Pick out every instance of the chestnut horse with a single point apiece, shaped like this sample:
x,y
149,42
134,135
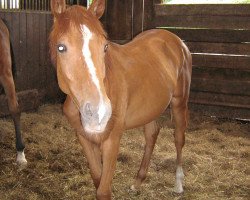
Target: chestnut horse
x,y
111,88
6,80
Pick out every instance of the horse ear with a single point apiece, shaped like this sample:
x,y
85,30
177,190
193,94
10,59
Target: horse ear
x,y
57,6
97,8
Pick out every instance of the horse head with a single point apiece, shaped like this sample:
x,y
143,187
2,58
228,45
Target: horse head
x,y
78,45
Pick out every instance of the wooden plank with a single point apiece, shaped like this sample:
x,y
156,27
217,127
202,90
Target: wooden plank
x,y
137,26
220,86
219,48
214,22
36,71
22,82
148,14
33,50
1,14
49,23
119,19
203,9
211,35
30,54
28,100
221,74
220,111
209,98
49,66
43,48
219,61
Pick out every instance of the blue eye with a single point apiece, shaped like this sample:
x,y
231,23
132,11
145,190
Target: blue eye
x,y
61,48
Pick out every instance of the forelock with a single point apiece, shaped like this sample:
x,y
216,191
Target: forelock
x,y
74,16
78,15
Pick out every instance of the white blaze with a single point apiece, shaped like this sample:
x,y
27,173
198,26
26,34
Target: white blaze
x,y
87,35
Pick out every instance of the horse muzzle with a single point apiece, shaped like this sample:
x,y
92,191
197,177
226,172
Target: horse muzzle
x,y
95,118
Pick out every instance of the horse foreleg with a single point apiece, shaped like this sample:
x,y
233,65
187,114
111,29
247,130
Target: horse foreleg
x,y
179,111
151,131
91,151
110,149
9,89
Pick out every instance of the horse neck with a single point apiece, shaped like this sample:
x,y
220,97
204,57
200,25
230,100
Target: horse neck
x,y
116,57
115,71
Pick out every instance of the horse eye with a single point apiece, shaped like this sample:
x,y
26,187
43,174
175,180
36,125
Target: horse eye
x,y
106,47
61,48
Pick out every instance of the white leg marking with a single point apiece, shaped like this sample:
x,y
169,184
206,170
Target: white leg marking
x,y
87,35
179,180
133,188
21,160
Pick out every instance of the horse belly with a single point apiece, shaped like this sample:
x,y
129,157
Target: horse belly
x,y
144,109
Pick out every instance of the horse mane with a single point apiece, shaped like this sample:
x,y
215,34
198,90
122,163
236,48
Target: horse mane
x,y
74,16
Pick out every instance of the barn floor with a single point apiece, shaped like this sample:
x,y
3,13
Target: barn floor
x,y
216,161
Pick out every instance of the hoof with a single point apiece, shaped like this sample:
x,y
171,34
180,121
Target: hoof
x,y
136,186
178,189
21,160
133,188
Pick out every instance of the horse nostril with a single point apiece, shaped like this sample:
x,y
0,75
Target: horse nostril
x,y
88,110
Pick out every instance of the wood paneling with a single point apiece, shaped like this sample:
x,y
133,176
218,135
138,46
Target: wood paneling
x,y
216,73
219,48
218,37
220,110
203,16
211,35
214,22
119,19
221,86
127,18
212,98
203,10
29,32
225,61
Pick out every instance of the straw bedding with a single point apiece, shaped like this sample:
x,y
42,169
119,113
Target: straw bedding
x,y
216,161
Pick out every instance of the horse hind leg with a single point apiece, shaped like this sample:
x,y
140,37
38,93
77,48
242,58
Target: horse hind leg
x,y
179,111
151,131
9,89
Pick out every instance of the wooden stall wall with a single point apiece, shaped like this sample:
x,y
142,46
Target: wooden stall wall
x,y
29,33
219,38
127,18
217,35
